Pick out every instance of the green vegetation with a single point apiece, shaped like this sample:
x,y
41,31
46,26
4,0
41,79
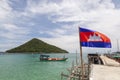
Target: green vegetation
x,y
36,45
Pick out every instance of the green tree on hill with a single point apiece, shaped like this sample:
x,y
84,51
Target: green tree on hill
x,y
36,45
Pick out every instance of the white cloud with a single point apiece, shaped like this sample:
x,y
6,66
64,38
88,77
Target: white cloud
x,y
7,15
40,7
99,15
5,10
67,42
9,28
56,32
70,10
11,31
7,45
8,19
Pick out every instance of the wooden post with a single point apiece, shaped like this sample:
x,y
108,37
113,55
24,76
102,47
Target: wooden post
x,y
118,45
81,58
88,67
76,59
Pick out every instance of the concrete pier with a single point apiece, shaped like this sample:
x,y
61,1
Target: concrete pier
x,y
109,71
101,72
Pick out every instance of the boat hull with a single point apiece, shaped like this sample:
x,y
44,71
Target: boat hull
x,y
54,59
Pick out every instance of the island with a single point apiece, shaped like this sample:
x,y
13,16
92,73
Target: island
x,y
36,46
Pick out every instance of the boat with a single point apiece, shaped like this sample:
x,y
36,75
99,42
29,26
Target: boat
x,y
47,58
117,58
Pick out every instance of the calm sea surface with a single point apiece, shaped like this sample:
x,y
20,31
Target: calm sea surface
x,y
29,67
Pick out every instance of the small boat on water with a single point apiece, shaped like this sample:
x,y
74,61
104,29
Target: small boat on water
x,y
116,56
47,58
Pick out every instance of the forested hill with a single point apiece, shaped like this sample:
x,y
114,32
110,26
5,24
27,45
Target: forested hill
x,y
36,45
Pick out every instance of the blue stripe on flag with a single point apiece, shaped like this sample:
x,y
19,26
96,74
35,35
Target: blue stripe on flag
x,y
96,44
85,30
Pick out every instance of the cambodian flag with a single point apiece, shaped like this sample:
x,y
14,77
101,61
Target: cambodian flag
x,y
90,38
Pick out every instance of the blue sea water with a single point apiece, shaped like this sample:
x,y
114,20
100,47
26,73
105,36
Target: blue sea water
x,y
29,67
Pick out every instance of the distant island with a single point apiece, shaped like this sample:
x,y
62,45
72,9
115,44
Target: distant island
x,y
36,46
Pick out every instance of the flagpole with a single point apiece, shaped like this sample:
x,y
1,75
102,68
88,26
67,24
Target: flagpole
x,y
81,58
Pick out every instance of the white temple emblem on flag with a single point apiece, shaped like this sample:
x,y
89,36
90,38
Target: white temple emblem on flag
x,y
94,38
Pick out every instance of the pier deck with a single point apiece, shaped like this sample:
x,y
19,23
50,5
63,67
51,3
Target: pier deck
x,y
110,70
102,72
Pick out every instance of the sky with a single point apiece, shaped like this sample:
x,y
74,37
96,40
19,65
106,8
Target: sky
x,y
56,22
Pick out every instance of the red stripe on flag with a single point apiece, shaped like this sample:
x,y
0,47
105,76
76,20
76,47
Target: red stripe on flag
x,y
85,36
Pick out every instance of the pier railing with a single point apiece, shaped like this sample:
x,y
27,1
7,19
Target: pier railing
x,y
76,74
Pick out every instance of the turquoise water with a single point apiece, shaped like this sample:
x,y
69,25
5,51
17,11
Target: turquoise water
x,y
29,67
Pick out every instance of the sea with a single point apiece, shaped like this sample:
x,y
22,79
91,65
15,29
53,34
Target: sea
x,y
28,66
